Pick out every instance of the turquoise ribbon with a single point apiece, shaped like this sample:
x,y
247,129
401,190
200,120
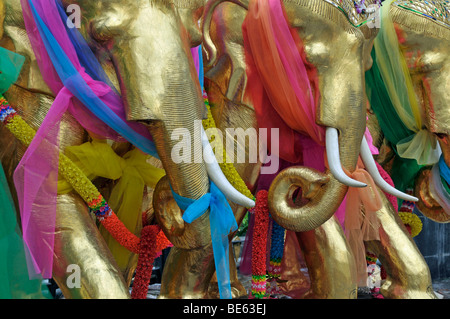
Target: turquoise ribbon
x,y
444,170
222,222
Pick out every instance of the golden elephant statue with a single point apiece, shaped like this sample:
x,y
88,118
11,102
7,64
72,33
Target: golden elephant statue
x,y
124,49
422,48
337,42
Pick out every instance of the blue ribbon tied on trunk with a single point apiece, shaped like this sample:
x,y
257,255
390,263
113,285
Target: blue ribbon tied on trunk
x,y
222,223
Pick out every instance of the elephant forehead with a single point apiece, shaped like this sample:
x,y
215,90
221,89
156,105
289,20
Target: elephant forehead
x,y
439,11
334,16
348,8
423,32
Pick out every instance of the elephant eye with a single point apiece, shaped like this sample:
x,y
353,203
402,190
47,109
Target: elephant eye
x,y
440,136
100,32
108,26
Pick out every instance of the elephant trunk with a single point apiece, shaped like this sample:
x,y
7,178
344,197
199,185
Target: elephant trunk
x,y
342,112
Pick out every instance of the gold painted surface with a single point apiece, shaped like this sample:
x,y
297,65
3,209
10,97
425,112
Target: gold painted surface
x,y
425,43
331,265
408,275
428,204
292,281
78,242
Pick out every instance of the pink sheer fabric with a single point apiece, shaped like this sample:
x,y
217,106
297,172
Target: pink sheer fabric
x,y
196,58
37,173
281,84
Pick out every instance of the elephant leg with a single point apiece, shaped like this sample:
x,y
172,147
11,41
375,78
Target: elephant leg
x,y
330,262
237,288
408,275
184,277
293,283
83,266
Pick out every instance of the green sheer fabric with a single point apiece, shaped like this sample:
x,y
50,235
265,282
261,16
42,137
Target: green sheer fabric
x,y
14,280
10,65
404,170
421,145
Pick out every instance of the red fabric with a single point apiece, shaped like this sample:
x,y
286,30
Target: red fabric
x,y
281,84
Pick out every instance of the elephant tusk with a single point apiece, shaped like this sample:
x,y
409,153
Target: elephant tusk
x,y
217,176
334,161
371,167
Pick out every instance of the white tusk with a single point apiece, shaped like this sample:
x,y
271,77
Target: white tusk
x,y
334,161
217,176
371,167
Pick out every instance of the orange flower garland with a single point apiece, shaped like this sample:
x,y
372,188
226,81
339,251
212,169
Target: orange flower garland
x,y
120,233
145,262
259,246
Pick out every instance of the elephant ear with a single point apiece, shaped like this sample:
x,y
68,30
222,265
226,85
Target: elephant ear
x,y
167,212
210,49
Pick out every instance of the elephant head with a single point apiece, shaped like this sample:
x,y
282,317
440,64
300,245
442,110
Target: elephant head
x,y
153,70
159,86
337,42
424,42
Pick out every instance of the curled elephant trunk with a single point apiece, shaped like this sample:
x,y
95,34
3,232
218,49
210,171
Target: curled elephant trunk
x,y
342,112
322,194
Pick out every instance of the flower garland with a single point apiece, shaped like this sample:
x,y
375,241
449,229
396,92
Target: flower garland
x,y
411,221
276,255
153,241
95,201
371,258
228,168
276,250
259,244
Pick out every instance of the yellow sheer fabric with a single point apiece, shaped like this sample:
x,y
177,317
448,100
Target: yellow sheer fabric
x,y
132,174
423,147
395,73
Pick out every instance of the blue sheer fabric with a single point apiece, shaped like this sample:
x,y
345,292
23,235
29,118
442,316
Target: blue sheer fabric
x,y
85,55
444,170
201,76
222,222
77,85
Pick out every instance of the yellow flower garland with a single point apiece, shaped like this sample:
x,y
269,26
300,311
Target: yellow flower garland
x,y
413,221
83,186
228,168
67,168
